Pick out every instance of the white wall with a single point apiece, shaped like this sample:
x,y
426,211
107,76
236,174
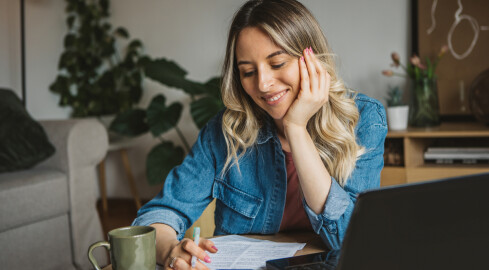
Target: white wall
x,y
10,61
193,33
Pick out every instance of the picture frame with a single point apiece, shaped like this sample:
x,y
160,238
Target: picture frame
x,y
462,25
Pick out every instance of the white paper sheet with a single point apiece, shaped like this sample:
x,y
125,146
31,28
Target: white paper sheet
x,y
239,252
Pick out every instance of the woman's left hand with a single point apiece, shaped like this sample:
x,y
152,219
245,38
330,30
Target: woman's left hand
x,y
313,93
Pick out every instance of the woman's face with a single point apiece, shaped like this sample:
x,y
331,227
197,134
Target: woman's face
x,y
268,74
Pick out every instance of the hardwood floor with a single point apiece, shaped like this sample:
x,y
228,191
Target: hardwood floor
x,y
121,213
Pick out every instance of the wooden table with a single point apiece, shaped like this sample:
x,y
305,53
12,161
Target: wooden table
x,y
313,242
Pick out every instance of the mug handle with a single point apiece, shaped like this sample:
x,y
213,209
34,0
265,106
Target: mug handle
x,y
92,247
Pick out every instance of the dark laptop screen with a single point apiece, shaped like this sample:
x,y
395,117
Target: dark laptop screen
x,y
432,225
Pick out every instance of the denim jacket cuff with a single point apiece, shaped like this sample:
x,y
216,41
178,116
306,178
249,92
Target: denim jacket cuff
x,y
336,205
170,218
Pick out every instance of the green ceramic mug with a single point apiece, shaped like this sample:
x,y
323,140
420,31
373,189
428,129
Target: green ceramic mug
x,y
130,248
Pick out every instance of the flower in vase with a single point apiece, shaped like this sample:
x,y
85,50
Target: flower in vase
x,y
415,68
396,59
424,98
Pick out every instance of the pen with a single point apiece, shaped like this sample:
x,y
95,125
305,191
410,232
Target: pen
x,y
196,241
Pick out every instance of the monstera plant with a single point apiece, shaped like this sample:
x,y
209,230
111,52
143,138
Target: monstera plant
x,y
94,77
160,117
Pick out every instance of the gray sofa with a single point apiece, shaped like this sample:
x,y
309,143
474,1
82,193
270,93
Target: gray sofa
x,y
48,215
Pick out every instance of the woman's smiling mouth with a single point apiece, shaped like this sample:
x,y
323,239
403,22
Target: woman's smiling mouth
x,y
274,99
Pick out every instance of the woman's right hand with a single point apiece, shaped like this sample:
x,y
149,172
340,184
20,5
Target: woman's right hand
x,y
169,249
180,255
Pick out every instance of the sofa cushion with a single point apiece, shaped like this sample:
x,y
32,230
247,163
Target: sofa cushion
x,y
32,195
23,142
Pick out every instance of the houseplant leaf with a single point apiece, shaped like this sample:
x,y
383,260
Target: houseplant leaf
x,y
213,87
99,80
206,107
203,109
172,75
161,159
122,32
162,118
130,123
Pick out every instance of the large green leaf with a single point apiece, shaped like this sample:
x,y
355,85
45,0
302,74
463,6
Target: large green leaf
x,y
161,159
213,87
208,105
130,123
171,74
204,109
162,118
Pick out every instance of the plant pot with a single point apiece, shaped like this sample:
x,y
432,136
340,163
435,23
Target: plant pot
x,y
397,117
424,108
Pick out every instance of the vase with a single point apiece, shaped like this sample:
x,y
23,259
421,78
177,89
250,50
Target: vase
x,y
424,110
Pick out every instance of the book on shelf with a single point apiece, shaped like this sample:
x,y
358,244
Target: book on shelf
x,y
458,150
465,155
457,161
484,156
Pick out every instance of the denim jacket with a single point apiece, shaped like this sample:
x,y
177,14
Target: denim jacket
x,y
251,200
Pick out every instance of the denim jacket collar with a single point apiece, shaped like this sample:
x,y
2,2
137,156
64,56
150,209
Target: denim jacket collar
x,y
267,132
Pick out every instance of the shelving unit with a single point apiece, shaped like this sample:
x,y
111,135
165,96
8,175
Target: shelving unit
x,y
413,143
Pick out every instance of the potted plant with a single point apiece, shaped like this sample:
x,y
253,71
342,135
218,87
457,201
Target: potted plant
x,y
424,107
158,118
95,79
397,110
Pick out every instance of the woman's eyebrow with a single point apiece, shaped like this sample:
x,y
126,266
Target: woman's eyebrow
x,y
276,53
268,57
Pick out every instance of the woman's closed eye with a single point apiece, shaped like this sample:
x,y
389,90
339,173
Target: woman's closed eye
x,y
250,73
278,66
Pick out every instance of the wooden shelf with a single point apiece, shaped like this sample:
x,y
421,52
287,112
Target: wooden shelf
x,y
455,130
415,141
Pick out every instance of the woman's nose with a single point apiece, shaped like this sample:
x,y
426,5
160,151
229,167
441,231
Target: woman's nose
x,y
265,80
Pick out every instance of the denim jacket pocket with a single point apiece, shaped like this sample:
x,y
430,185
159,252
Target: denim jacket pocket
x,y
235,209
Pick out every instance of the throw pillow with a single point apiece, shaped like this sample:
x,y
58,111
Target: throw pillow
x,y
23,141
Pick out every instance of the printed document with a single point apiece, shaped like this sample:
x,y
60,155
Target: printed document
x,y
239,252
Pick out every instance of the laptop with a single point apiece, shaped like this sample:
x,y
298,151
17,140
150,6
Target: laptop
x,y
442,224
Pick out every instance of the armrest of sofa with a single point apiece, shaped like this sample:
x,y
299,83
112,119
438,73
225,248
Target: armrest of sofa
x,y
80,145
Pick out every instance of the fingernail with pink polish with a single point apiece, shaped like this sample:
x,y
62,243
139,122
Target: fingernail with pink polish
x,y
302,58
214,247
207,259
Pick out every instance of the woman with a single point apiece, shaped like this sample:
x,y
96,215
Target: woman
x,y
290,151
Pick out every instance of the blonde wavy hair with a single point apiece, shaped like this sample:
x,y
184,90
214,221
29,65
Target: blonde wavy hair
x,y
292,27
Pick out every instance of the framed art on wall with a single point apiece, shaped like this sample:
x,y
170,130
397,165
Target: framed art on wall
x,y
462,25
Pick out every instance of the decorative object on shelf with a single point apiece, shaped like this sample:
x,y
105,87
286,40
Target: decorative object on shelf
x,y
393,153
158,117
94,77
424,103
424,107
479,97
451,155
397,110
